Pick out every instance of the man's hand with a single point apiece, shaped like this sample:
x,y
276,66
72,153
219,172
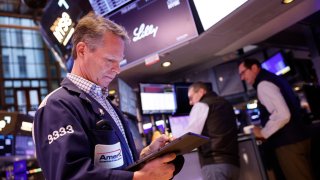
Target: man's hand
x,y
155,145
157,169
257,133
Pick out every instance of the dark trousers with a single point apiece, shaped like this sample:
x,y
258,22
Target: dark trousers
x,y
294,160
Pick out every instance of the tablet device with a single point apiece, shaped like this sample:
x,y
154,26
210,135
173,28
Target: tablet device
x,y
184,144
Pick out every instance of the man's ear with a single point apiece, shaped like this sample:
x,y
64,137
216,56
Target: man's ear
x,y
203,92
255,68
80,49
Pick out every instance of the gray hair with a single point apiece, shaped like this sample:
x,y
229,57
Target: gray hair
x,y
91,29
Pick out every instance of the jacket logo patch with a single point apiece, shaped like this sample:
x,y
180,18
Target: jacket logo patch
x,y
108,156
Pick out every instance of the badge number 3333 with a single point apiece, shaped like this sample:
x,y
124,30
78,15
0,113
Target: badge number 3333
x,y
61,132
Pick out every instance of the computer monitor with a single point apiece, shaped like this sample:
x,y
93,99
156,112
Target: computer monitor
x,y
127,97
182,100
276,64
24,145
183,106
6,145
157,98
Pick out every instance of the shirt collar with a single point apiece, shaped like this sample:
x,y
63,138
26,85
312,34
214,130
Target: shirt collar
x,y
87,86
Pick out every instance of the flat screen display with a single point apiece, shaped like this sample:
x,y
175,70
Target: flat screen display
x,y
178,125
157,98
104,7
183,106
153,26
20,166
6,145
24,146
128,98
182,100
276,64
211,12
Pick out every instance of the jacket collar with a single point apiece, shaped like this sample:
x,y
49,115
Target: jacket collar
x,y
209,94
70,86
259,77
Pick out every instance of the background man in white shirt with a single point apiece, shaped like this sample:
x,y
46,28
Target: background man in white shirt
x,y
281,120
213,116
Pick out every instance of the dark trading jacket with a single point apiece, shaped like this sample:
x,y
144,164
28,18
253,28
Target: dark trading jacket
x,y
221,127
70,155
294,130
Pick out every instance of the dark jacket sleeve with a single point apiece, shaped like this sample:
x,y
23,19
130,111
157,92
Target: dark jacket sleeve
x,y
62,146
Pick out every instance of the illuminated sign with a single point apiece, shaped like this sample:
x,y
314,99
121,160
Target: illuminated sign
x,y
144,31
63,3
58,23
63,28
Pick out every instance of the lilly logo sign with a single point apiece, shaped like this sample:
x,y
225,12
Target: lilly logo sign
x,y
144,31
108,156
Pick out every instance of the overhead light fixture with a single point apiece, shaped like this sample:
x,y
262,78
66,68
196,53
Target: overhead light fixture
x,y
166,64
112,92
287,1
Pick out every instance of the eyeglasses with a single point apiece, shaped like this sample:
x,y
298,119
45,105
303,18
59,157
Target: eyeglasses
x,y
242,72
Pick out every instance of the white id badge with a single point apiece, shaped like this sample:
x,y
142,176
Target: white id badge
x,y
108,156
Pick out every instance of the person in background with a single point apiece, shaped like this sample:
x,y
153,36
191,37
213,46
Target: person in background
x,y
213,116
78,133
281,121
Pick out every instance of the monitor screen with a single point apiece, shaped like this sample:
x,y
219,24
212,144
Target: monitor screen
x,y
183,106
20,166
276,64
103,7
159,125
6,145
128,98
254,116
211,12
157,98
182,100
24,146
178,125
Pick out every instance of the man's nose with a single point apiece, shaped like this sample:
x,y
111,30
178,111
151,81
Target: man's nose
x,y
116,68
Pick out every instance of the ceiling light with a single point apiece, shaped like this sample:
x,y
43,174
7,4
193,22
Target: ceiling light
x,y
287,1
166,64
112,92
